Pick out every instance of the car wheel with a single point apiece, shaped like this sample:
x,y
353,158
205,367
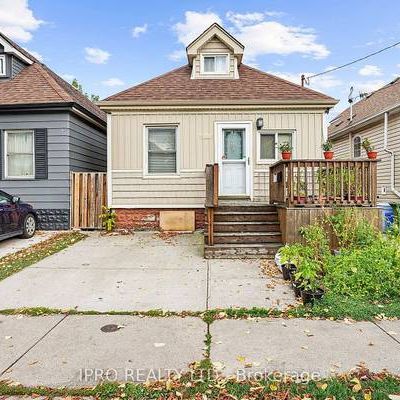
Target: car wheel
x,y
29,226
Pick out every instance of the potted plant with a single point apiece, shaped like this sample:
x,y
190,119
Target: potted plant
x,y
286,150
289,256
327,148
371,153
309,274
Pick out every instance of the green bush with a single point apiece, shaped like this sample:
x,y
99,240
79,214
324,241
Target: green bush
x,y
371,272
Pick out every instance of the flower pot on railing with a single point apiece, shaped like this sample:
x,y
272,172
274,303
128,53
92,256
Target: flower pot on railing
x,y
286,155
372,155
328,155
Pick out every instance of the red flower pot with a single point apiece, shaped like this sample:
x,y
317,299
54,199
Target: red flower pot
x,y
328,155
286,155
372,155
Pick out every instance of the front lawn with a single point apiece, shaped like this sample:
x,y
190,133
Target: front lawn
x,y
15,262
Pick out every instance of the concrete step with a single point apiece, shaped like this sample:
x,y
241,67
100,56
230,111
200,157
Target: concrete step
x,y
233,251
241,226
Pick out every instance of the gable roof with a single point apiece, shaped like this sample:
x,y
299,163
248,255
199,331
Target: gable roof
x,y
37,84
375,104
214,30
251,86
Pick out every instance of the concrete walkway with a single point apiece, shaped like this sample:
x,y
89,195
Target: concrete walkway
x,y
12,245
78,351
141,272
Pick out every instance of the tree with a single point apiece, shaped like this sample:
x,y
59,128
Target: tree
x,y
78,86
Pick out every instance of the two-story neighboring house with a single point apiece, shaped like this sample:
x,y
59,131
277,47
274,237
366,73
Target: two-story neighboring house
x,y
47,129
375,117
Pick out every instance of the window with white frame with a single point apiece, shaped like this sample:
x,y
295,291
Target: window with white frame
x,y
269,141
215,63
19,154
2,65
161,150
357,147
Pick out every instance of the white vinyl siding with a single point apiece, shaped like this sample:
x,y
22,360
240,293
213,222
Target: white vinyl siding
x,y
133,187
2,65
161,150
19,154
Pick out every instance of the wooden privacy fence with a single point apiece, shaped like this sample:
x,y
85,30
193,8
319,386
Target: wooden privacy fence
x,y
88,196
307,183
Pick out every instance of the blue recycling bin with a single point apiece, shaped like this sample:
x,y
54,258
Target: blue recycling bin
x,y
387,215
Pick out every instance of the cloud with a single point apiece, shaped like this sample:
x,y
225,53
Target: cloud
x,y
35,54
139,30
259,35
68,77
195,23
370,70
271,37
111,82
177,55
320,83
17,20
368,86
96,56
244,19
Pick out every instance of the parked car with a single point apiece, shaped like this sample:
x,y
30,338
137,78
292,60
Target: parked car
x,y
16,217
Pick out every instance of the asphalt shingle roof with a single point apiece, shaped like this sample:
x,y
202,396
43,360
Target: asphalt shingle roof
x,y
252,85
37,84
378,101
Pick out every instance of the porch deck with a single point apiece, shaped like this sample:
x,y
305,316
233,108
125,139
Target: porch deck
x,y
301,191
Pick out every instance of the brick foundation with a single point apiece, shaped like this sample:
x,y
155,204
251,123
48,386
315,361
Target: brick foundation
x,y
149,218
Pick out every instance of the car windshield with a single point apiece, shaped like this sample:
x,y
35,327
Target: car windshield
x,y
4,199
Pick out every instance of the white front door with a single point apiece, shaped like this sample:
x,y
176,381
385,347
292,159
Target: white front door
x,y
234,159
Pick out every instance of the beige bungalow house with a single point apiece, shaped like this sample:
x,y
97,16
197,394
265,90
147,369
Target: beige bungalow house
x,y
376,117
213,111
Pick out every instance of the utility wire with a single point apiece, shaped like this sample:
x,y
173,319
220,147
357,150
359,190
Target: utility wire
x,y
352,62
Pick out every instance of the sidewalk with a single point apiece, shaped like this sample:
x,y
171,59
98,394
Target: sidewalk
x,y
74,351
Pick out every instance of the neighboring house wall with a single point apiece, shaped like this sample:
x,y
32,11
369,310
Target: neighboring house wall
x,y
196,147
343,148
72,145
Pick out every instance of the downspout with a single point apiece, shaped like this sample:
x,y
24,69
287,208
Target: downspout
x,y
391,153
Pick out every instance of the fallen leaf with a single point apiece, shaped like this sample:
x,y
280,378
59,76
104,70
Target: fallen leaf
x,y
7,337
241,359
159,344
392,333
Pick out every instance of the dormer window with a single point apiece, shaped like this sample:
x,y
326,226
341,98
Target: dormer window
x,y
2,65
214,64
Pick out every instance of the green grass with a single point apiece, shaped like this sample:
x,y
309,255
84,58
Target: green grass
x,y
15,262
362,385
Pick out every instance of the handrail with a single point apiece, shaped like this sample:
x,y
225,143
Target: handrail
x,y
316,182
211,202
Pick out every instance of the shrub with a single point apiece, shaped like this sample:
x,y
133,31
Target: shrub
x,y
371,272
351,230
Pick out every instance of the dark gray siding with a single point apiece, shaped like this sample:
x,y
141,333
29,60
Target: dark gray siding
x,y
54,192
73,145
88,147
16,66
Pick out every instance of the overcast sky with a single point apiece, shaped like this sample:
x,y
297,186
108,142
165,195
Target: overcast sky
x,y
111,45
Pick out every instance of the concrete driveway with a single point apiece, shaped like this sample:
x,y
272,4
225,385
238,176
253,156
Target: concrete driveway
x,y
141,272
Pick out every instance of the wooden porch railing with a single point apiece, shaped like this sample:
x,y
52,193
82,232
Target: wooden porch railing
x,y
211,199
307,183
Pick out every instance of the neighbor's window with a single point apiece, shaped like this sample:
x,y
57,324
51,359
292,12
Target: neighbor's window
x,y
215,64
19,154
269,143
2,65
161,152
357,147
